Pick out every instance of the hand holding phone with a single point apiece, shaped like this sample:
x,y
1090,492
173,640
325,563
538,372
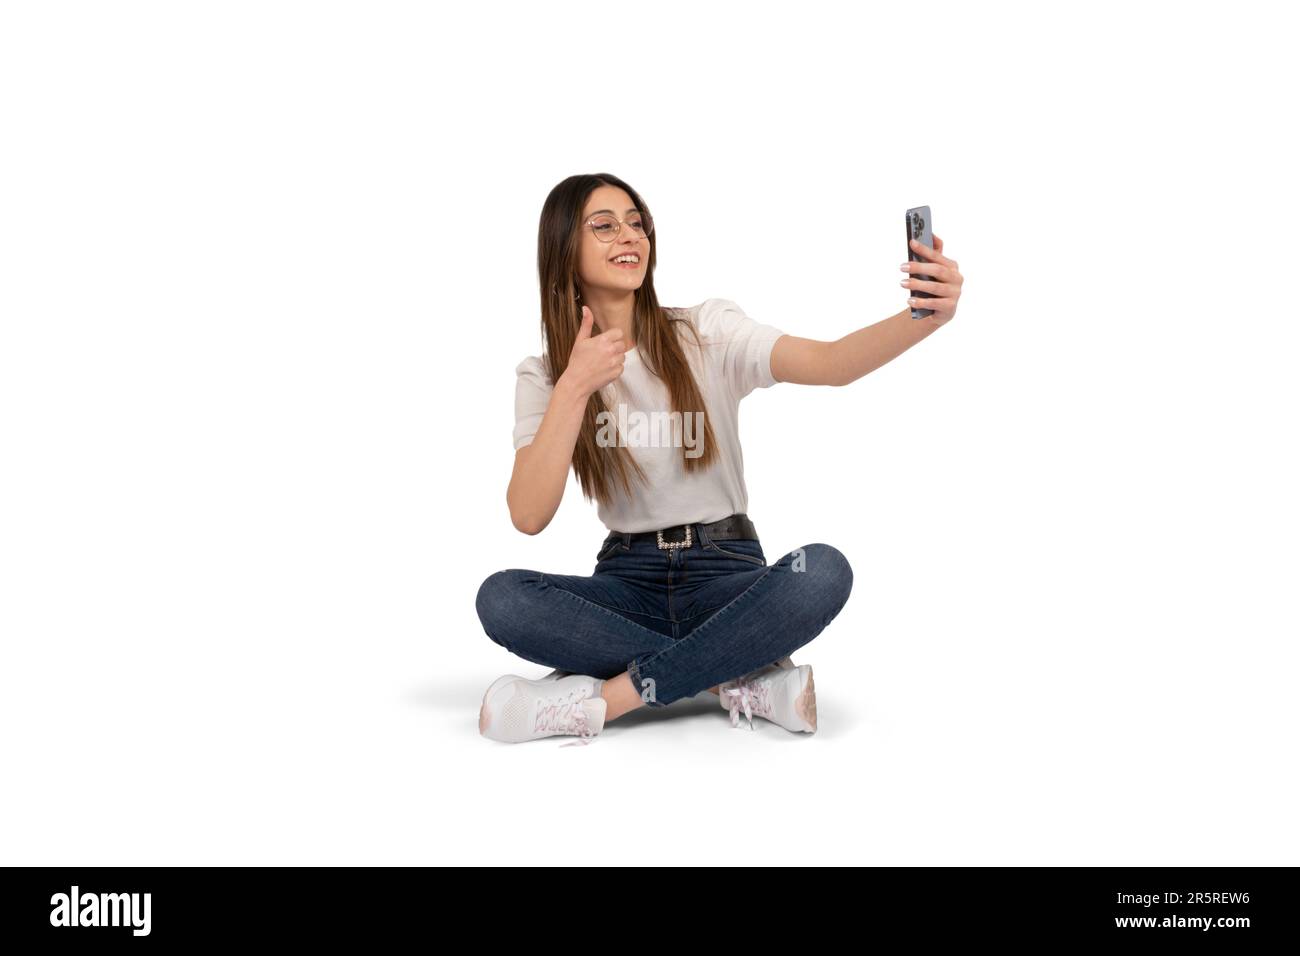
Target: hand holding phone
x,y
918,228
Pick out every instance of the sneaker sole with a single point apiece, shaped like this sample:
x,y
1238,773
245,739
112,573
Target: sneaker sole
x,y
805,705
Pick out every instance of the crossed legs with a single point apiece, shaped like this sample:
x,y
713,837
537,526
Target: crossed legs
x,y
573,623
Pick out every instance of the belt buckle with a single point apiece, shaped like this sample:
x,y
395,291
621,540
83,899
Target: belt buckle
x,y
670,545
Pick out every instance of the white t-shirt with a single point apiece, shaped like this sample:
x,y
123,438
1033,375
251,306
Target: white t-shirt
x,y
736,359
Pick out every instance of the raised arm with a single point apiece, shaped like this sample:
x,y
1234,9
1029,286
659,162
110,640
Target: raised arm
x,y
542,467
847,359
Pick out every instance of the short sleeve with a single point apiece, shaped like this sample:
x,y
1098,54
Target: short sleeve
x,y
532,397
743,346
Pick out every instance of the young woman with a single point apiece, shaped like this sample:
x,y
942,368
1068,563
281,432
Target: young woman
x,y
641,401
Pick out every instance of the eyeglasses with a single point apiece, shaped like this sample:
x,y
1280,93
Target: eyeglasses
x,y
606,228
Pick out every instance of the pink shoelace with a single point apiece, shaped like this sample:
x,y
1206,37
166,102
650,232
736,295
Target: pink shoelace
x,y
752,697
566,715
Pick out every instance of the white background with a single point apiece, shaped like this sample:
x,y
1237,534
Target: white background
x,y
265,273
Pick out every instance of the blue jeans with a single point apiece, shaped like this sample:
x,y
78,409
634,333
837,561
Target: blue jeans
x,y
678,621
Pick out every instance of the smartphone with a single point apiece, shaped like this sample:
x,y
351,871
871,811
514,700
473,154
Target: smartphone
x,y
918,228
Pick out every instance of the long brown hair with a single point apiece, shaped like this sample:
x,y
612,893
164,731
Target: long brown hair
x,y
653,327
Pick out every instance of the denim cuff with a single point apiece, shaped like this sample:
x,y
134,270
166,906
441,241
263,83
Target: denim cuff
x,y
646,691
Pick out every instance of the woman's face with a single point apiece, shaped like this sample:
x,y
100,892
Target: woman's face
x,y
597,269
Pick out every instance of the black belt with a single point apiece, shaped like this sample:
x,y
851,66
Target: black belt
x,y
731,528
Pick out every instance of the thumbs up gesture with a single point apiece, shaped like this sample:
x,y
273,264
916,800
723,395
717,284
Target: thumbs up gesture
x,y
595,360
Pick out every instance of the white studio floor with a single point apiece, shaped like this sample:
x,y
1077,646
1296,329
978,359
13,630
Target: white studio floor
x,y
339,761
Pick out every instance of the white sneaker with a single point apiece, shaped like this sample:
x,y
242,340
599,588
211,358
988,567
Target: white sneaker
x,y
783,694
516,709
